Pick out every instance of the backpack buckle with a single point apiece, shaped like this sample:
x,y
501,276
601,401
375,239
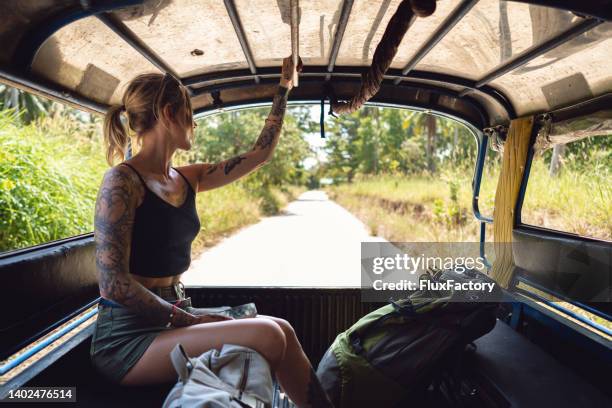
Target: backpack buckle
x,y
406,309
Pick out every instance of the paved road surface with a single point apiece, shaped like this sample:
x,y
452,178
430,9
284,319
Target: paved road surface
x,y
315,242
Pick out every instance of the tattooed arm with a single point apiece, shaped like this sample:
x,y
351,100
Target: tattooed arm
x,y
113,221
213,175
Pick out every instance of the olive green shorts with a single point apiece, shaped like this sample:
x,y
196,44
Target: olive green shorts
x,y
120,338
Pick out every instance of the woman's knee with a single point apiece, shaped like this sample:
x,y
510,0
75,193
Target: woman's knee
x,y
285,327
272,341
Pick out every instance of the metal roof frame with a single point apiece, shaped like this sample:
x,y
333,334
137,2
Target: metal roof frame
x,y
319,80
135,42
235,19
211,82
34,39
345,13
601,9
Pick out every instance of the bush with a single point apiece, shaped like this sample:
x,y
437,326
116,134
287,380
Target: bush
x,y
47,190
51,170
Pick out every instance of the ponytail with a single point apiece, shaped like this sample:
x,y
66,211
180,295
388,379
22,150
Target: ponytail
x,y
143,102
115,134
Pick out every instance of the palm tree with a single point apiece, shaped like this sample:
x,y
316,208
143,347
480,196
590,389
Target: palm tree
x,y
426,123
30,106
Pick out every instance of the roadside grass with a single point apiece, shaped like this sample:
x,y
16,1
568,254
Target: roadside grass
x,y
438,208
579,202
50,173
411,208
226,209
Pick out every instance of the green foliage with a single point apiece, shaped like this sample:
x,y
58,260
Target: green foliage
x,y
222,136
48,174
438,207
579,200
30,107
51,168
223,210
393,141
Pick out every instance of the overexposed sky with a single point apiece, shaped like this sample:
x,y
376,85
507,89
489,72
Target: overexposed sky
x,y
314,139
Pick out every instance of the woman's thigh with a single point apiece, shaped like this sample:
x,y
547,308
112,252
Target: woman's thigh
x,y
263,335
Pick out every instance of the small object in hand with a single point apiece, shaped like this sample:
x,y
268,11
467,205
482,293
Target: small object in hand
x,y
237,312
243,311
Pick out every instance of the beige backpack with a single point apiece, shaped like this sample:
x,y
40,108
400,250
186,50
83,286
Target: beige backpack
x,y
234,376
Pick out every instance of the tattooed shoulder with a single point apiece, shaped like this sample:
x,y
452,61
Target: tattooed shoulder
x,y
113,220
124,178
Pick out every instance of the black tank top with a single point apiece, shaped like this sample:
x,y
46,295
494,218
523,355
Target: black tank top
x,y
162,234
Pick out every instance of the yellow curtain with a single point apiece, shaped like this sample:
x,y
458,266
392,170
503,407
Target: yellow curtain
x,y
508,185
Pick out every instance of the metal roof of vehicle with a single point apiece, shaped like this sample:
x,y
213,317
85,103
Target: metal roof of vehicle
x,y
483,61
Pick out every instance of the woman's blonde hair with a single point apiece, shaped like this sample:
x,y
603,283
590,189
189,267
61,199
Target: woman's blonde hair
x,y
143,102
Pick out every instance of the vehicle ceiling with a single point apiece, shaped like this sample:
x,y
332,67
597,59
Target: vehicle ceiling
x,y
484,61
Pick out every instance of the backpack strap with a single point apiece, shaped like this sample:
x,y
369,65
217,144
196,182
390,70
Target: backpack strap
x,y
181,362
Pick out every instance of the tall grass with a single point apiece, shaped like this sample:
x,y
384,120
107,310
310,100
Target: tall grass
x,y
438,208
576,201
411,208
49,171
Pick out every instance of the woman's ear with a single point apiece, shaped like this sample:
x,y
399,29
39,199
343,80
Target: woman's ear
x,y
167,115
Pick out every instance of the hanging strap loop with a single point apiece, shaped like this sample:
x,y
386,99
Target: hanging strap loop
x,y
385,52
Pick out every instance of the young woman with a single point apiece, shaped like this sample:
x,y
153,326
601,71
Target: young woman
x,y
145,221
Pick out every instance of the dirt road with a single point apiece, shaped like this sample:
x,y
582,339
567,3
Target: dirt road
x,y
315,242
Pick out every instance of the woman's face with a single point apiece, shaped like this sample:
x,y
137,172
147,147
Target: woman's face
x,y
181,132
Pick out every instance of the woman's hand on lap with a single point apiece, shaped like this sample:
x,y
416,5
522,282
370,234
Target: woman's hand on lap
x,y
211,318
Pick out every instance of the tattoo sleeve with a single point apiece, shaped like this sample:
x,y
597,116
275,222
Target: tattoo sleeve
x,y
271,131
258,155
113,222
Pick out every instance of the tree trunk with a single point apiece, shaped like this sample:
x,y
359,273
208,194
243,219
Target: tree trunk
x,y
455,142
431,142
555,161
376,140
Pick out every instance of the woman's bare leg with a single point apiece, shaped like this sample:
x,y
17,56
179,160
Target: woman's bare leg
x,y
295,373
155,366
267,335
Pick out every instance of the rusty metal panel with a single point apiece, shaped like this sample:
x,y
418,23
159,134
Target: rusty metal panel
x,y
364,30
192,36
420,31
571,73
491,33
268,30
72,58
18,17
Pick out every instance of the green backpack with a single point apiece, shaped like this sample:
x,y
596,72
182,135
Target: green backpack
x,y
398,350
